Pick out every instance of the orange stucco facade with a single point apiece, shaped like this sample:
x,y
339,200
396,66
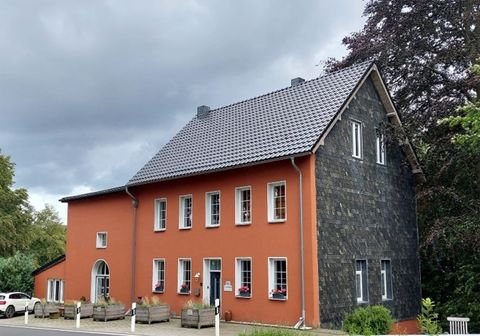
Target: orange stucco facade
x,y
56,271
259,241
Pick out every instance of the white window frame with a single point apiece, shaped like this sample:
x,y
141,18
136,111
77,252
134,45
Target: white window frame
x,y
183,219
182,272
101,242
239,280
361,280
271,201
242,214
51,295
386,278
357,139
160,215
208,209
273,284
158,276
380,147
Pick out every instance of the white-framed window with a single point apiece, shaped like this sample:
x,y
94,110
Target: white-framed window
x,y
212,209
380,147
186,207
160,214
386,274
243,205
357,139
184,275
361,280
158,285
243,277
277,278
55,290
277,202
101,240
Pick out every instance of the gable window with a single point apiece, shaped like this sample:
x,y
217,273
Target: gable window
x,y
212,213
243,277
185,219
356,139
361,284
101,239
55,290
277,278
380,147
243,206
386,273
158,275
184,276
160,214
277,202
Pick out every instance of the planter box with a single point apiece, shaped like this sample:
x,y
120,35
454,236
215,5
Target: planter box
x,y
86,310
244,294
44,310
202,317
153,313
110,312
278,296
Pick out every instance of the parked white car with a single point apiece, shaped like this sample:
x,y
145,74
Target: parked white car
x,y
15,302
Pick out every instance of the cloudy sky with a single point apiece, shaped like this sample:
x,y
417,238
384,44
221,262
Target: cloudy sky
x,y
90,90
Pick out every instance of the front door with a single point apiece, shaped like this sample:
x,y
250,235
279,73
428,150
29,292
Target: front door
x,y
214,286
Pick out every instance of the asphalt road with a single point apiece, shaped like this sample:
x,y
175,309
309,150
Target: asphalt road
x,y
22,331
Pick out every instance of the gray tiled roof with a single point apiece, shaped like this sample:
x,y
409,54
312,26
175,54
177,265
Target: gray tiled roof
x,y
282,123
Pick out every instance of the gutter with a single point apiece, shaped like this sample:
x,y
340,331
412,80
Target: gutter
x,y
301,322
134,242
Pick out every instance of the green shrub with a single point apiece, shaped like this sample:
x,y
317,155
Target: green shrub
x,y
371,320
428,319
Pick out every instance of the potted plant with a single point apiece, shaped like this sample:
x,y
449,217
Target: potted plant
x,y
70,309
279,293
159,286
184,288
152,310
108,309
44,309
197,314
244,291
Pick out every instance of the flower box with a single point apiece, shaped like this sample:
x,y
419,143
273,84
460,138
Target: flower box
x,y
198,317
70,312
149,314
278,296
244,294
109,312
44,309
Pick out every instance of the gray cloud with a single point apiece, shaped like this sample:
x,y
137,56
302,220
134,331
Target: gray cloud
x,y
89,90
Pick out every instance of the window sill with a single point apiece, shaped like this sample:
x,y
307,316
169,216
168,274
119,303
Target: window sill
x,y
276,221
357,158
387,299
184,228
158,292
180,293
243,296
159,230
212,226
243,224
362,302
381,164
101,247
277,299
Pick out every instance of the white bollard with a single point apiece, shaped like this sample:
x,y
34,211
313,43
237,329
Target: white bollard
x,y
26,312
217,317
134,313
78,311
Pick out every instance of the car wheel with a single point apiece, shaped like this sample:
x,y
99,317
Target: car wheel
x,y
9,312
36,307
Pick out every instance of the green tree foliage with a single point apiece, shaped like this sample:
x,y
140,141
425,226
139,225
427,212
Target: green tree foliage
x,y
15,211
16,273
425,50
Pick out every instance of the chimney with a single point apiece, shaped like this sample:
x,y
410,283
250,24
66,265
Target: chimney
x,y
203,111
297,81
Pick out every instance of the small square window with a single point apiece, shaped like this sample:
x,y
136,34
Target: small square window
x,y
160,214
185,219
277,278
386,274
243,205
243,277
277,202
158,275
101,239
357,139
361,284
380,147
184,276
212,213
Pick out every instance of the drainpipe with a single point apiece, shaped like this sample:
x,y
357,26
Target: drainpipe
x,y
301,322
134,242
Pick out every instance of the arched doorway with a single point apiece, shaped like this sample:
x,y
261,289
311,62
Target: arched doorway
x,y
100,281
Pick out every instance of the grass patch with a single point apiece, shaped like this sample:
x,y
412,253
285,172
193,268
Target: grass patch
x,y
272,332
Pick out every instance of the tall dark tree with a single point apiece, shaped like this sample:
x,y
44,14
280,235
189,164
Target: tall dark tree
x,y
425,50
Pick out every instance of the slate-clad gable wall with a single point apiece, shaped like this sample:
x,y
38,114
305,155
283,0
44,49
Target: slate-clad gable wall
x,y
364,211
